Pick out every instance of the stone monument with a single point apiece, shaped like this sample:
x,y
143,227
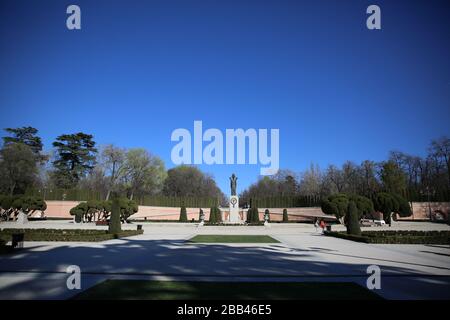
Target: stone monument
x,y
234,201
22,218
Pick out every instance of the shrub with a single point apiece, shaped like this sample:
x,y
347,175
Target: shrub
x,y
285,216
66,234
215,215
252,215
183,214
11,205
114,221
353,220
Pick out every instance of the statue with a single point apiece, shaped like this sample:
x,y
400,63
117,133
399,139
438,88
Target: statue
x,y
233,180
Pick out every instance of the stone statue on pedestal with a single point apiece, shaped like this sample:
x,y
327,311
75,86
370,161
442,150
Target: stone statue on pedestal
x,y
233,183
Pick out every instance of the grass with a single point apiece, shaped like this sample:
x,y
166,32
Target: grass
x,y
187,290
233,239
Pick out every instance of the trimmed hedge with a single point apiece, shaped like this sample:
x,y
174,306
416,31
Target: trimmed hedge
x,y
67,234
396,237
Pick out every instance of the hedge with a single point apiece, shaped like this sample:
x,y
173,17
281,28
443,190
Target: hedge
x,y
397,237
67,234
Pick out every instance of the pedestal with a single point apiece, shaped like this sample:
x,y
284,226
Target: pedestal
x,y
234,209
22,218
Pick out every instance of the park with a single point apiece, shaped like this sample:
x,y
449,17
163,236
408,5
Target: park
x,y
128,245
228,151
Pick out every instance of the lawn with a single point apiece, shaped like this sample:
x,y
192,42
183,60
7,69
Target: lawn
x,y
233,239
181,290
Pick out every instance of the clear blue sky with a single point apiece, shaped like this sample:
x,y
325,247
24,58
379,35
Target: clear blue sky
x,y
140,69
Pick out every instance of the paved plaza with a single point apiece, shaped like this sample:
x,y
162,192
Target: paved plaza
x,y
162,253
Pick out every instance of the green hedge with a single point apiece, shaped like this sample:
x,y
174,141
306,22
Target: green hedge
x,y
397,237
67,234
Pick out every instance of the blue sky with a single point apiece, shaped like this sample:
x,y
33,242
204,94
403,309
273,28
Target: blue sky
x,y
137,70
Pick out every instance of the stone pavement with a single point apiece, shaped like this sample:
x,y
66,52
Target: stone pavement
x,y
408,271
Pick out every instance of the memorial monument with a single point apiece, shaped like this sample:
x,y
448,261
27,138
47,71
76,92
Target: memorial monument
x,y
234,201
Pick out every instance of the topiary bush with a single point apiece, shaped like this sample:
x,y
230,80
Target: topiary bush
x,y
114,221
252,215
353,220
10,206
285,215
183,214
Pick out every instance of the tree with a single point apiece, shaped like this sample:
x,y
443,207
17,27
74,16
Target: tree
x,y
143,172
114,221
440,149
353,220
285,215
18,168
75,158
113,161
393,178
183,214
27,136
386,204
189,181
311,181
338,205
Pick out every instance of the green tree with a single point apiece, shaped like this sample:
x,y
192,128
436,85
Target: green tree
x,y
393,178
18,168
27,136
144,173
285,215
74,159
338,205
386,204
189,181
183,214
113,162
